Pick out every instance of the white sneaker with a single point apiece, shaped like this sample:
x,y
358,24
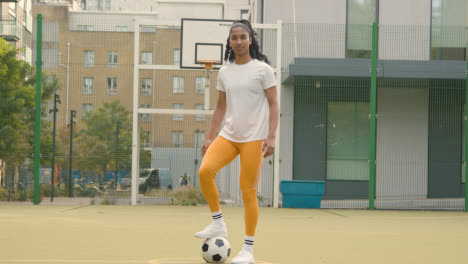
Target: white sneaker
x,y
244,257
213,230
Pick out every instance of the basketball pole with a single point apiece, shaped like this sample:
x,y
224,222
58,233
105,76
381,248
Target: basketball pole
x,y
276,157
135,131
208,67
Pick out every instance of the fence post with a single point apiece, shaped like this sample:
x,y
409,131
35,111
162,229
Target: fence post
x,y
37,139
466,138
373,109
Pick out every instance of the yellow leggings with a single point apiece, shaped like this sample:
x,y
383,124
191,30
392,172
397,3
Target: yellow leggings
x,y
219,154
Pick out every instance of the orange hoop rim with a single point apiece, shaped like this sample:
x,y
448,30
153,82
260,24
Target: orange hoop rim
x,y
208,63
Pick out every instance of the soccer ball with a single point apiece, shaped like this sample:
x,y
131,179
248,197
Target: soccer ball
x,y
216,250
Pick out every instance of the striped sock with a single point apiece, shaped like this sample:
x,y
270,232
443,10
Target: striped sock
x,y
248,243
217,217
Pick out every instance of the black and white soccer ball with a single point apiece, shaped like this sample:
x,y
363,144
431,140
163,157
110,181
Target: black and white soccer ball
x,y
216,250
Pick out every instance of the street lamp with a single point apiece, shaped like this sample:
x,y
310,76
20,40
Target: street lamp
x,y
197,132
55,110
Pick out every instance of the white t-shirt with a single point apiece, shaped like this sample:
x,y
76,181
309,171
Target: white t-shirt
x,y
247,113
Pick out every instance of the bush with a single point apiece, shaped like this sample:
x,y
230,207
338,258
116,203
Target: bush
x,y
188,196
59,190
108,200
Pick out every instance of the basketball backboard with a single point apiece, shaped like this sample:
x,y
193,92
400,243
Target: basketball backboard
x,y
203,40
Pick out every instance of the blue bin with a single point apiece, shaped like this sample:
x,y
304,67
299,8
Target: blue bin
x,y
302,194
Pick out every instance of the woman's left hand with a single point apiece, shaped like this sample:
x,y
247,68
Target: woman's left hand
x,y
268,147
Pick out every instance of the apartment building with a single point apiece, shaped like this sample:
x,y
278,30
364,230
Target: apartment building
x,y
230,9
16,26
91,52
421,76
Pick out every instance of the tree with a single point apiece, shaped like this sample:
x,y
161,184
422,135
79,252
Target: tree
x,y
98,139
17,107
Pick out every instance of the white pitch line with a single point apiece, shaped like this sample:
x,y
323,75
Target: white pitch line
x,y
154,261
72,261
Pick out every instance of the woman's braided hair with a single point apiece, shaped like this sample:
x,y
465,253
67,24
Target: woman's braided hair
x,y
254,49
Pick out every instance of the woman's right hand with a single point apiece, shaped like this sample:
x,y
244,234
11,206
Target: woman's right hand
x,y
205,146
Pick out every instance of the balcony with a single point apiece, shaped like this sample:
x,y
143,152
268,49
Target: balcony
x,y
12,1
28,22
10,30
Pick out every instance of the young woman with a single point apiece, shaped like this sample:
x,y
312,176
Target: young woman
x,y
247,102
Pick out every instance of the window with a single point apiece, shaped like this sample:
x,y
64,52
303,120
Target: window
x,y
121,28
100,4
108,5
145,117
146,141
361,15
177,139
147,57
244,14
88,59
348,136
200,85
199,117
178,84
86,27
198,138
148,29
176,56
112,86
87,108
112,59
448,40
88,85
178,117
146,87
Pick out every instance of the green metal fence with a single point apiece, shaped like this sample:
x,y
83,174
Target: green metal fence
x,y
376,112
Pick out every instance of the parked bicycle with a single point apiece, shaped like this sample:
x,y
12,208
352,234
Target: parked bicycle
x,y
82,189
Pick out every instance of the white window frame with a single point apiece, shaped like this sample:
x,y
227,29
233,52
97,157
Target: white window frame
x,y
121,28
112,85
200,85
88,58
112,59
178,117
148,29
244,12
178,84
107,5
146,87
145,117
177,139
146,57
176,56
88,85
85,27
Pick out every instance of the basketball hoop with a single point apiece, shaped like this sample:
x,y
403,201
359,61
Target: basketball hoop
x,y
208,63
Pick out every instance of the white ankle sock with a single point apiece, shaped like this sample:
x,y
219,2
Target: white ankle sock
x,y
217,217
248,243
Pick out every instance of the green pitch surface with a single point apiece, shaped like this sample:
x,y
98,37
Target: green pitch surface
x,y
164,234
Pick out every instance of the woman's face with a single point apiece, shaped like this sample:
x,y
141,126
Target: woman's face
x,y
240,41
